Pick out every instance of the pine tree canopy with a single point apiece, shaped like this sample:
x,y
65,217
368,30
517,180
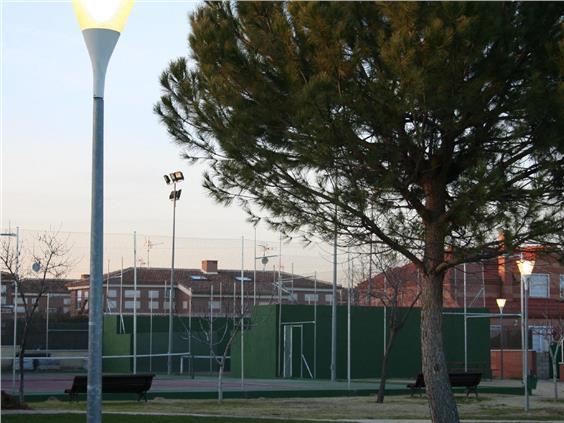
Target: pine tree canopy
x,y
381,119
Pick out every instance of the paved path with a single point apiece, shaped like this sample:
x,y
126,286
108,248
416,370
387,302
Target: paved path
x,y
55,412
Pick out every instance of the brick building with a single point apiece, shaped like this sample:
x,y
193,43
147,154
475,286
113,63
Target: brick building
x,y
482,283
486,281
205,290
56,294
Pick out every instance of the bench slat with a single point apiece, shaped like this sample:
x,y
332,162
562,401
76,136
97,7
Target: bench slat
x,y
119,383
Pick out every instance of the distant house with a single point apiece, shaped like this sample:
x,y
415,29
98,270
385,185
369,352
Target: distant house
x,y
197,291
481,283
56,294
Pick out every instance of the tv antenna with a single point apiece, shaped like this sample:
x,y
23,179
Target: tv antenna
x,y
149,245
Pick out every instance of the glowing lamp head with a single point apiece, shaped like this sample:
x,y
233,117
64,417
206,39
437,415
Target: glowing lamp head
x,y
525,266
102,14
500,303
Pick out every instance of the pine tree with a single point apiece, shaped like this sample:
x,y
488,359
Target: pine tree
x,y
428,126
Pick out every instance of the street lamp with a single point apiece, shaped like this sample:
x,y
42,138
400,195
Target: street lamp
x,y
525,269
501,303
101,22
172,178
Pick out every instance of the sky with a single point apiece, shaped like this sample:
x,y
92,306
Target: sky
x,y
46,112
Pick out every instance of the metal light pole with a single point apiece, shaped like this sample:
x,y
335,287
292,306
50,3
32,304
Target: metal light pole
x,y
334,314
349,320
134,302
501,303
526,348
101,24
243,312
47,326
255,272
525,269
465,323
174,196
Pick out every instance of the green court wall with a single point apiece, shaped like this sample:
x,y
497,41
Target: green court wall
x,y
262,344
152,338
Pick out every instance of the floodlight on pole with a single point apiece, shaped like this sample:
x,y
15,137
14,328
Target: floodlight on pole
x,y
101,22
525,269
174,196
501,303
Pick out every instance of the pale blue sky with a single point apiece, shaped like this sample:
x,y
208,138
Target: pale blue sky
x,y
46,128
46,144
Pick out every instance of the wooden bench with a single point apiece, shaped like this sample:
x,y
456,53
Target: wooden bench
x,y
115,384
470,381
418,385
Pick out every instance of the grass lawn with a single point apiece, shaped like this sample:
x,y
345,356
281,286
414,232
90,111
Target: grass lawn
x,y
490,406
121,418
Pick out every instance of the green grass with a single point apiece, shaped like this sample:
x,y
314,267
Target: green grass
x,y
121,418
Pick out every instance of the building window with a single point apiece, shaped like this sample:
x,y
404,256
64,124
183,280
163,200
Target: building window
x,y
214,305
311,298
185,304
539,286
130,293
66,301
329,298
153,305
154,294
561,286
112,292
112,304
129,304
3,289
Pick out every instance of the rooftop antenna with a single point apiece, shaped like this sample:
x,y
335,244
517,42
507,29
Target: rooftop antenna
x,y
149,245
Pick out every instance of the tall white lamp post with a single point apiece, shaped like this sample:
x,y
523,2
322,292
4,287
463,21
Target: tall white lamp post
x,y
101,22
525,269
501,303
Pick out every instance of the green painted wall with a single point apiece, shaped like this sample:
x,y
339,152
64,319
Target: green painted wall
x,y
367,332
260,345
115,343
156,330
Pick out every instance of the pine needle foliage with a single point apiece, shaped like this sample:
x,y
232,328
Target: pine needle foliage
x,y
426,126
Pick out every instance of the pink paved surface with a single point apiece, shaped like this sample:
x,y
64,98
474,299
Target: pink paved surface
x,y
57,383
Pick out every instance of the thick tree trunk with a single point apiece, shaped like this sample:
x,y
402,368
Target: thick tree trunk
x,y
220,382
384,371
441,400
554,362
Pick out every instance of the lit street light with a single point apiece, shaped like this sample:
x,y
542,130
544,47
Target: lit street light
x,y
525,269
174,196
501,303
101,22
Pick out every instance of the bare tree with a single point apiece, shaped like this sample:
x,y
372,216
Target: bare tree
x,y
51,258
399,292
223,336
